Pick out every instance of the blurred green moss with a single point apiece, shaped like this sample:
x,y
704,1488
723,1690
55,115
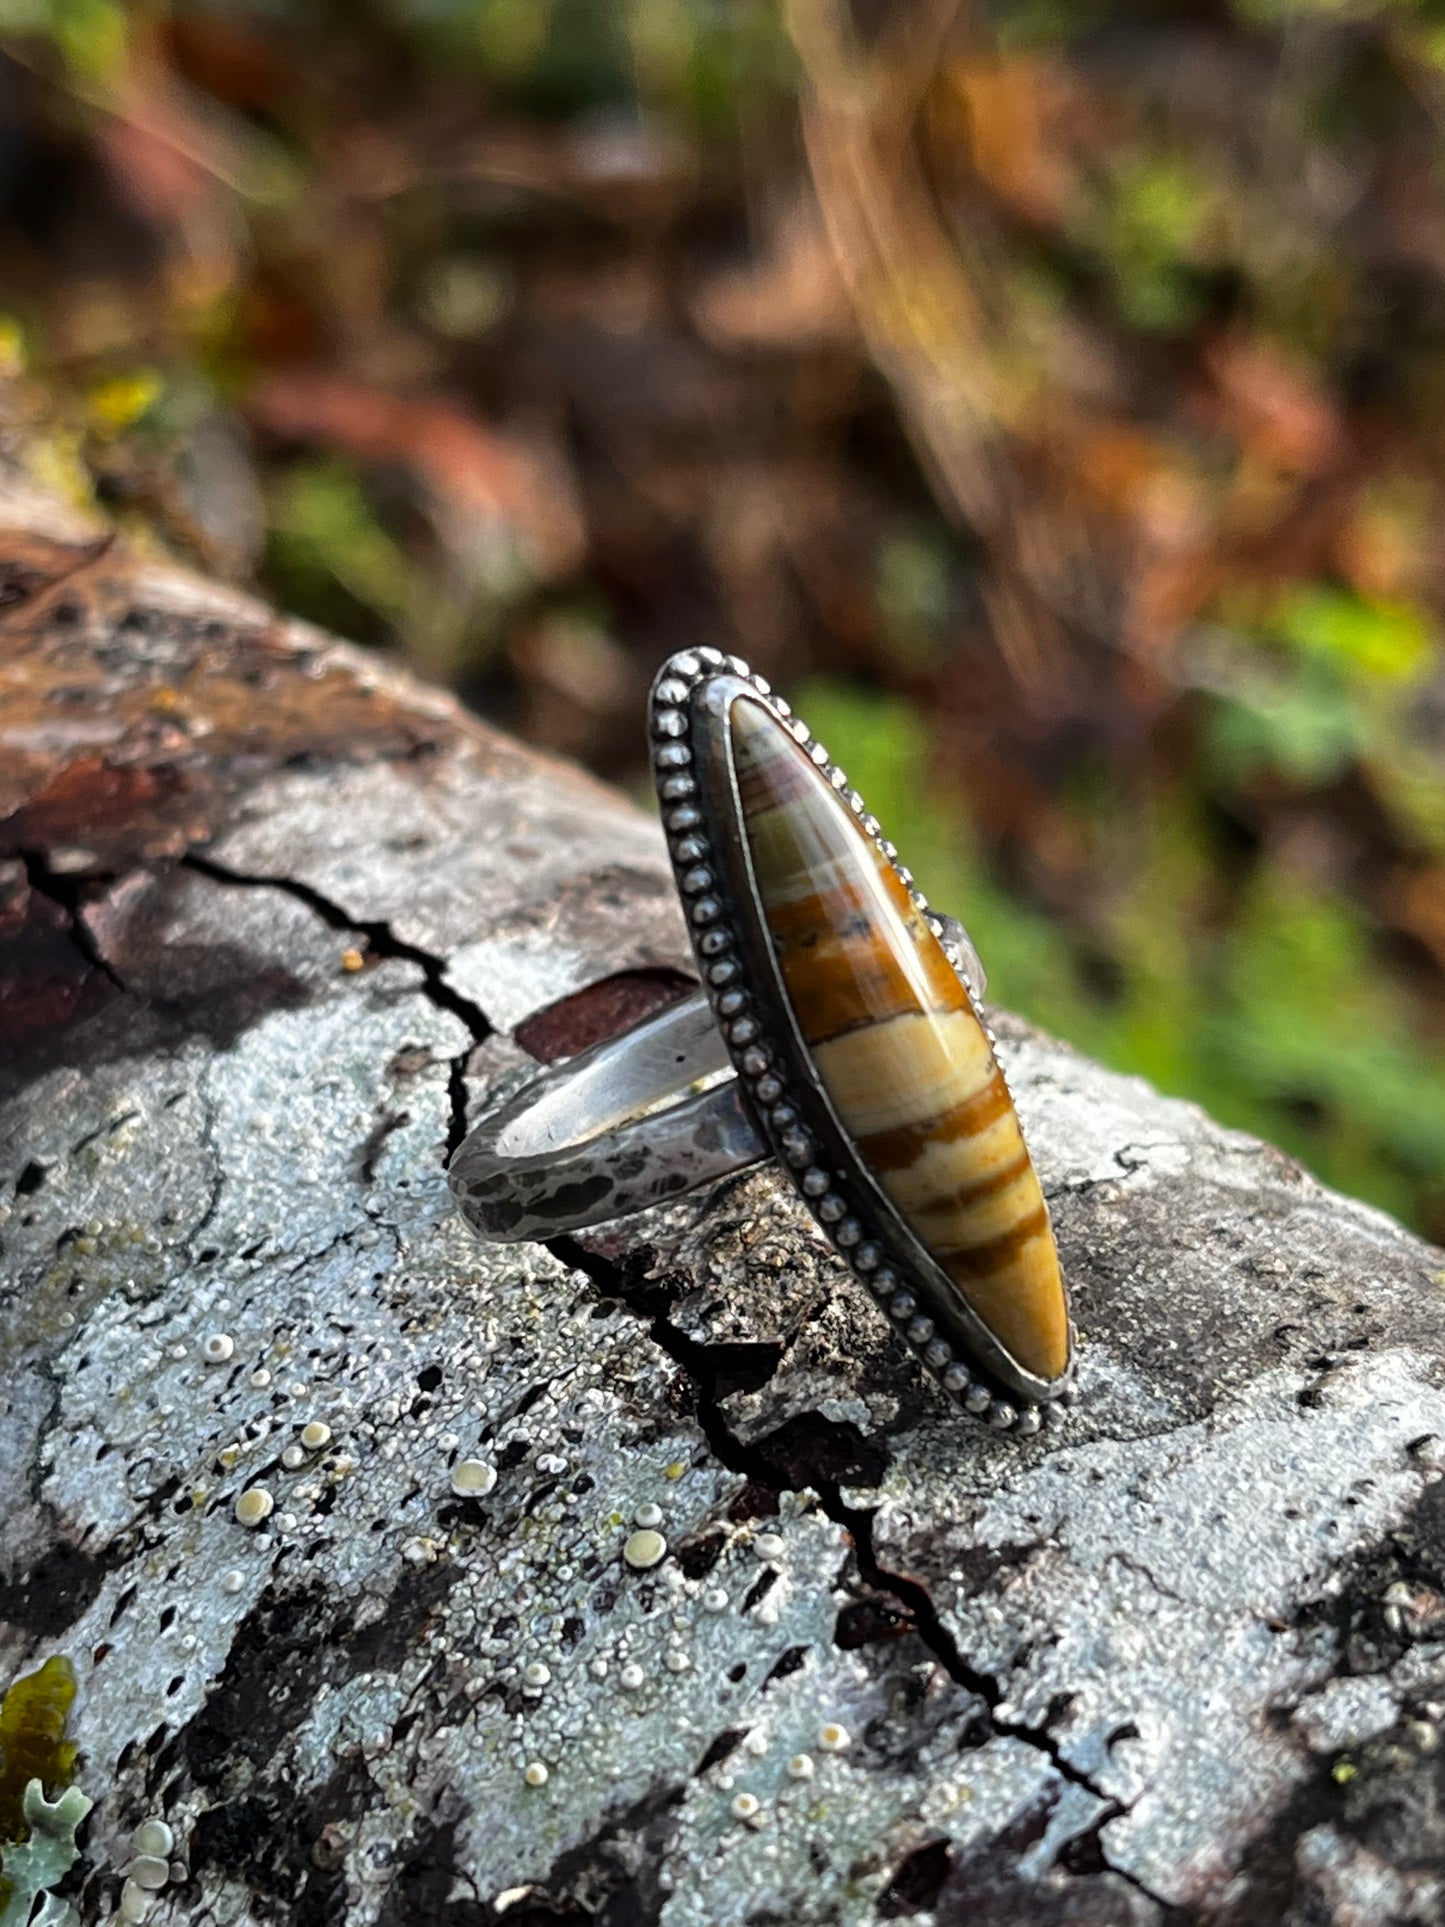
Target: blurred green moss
x,y
700,62
1149,224
331,555
90,35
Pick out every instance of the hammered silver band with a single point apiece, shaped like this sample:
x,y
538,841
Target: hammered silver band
x,y
632,1122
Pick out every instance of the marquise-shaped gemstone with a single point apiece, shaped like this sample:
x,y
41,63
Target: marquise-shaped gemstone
x,y
903,1057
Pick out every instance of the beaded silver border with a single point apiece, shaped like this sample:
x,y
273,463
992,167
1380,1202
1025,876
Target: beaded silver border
x,y
714,882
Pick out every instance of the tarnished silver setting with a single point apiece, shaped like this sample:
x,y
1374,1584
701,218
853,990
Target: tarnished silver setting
x,y
572,1148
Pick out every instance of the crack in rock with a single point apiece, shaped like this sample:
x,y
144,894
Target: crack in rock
x,y
382,941
754,1463
66,894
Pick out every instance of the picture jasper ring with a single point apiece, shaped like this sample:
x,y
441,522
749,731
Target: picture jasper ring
x,y
836,1029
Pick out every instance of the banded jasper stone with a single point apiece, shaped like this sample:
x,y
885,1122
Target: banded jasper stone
x,y
897,1045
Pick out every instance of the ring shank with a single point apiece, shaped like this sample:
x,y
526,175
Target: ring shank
x,y
632,1122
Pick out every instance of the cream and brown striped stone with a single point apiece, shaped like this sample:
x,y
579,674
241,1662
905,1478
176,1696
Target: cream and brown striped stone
x,y
898,1046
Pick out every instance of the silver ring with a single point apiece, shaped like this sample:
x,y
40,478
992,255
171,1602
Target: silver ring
x,y
836,1029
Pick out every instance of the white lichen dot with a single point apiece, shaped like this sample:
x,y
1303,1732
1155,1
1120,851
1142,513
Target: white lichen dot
x,y
254,1505
746,1806
631,1676
150,1870
537,1674
473,1478
293,1458
218,1347
715,1600
598,1668
677,1662
260,1378
644,1550
801,1766
834,1738
135,1902
536,1774
154,1836
647,1514
315,1435
770,1545
756,1742
231,1582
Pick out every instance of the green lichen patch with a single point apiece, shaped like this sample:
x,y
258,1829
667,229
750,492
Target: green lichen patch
x,y
33,1750
33,1745
45,1856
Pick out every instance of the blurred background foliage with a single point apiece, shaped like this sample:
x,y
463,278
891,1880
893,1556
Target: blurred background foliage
x,y
1050,398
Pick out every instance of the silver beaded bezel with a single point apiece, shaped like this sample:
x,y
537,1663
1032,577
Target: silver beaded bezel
x,y
691,705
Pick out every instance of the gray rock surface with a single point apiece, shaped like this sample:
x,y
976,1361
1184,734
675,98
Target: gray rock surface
x,y
1183,1661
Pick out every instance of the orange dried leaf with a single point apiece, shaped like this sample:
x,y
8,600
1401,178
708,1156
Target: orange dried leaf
x,y
1013,108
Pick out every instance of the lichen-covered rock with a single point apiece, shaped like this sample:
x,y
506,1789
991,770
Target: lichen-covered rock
x,y
271,921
